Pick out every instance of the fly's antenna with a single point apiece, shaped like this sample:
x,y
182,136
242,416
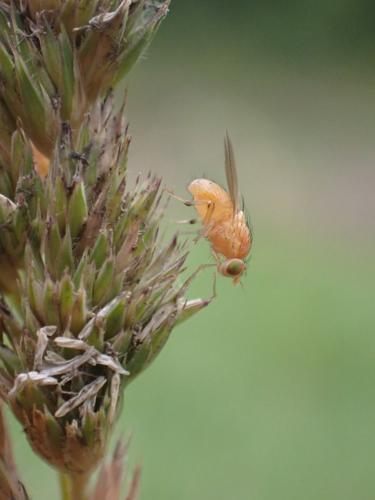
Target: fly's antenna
x,y
231,173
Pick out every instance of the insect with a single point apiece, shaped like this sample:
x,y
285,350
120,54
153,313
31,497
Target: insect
x,y
224,221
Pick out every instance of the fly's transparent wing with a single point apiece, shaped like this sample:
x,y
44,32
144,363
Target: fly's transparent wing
x,y
240,233
231,173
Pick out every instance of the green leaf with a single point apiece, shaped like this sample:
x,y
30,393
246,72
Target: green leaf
x,y
50,304
77,212
103,282
66,300
65,259
79,312
116,318
61,203
53,244
10,360
100,250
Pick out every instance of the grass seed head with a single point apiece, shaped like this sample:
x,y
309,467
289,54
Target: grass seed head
x,y
98,292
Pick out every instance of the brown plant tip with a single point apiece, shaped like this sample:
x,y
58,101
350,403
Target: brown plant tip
x,y
113,475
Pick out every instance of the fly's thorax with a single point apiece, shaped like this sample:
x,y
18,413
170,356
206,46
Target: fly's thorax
x,y
213,203
198,186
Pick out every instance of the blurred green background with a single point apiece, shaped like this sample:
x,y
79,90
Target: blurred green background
x,y
269,394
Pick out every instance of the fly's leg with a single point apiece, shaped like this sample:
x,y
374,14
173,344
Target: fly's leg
x,y
193,203
187,203
200,233
216,257
210,210
214,290
209,204
207,218
187,221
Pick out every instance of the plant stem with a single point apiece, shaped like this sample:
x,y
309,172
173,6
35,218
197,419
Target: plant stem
x,y
64,486
73,487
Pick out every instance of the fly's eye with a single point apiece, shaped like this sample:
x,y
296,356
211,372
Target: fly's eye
x,y
235,267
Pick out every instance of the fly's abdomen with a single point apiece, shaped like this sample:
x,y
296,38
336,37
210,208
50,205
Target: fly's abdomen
x,y
229,239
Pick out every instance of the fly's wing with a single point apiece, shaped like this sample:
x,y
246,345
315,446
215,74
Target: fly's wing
x,y
231,173
241,236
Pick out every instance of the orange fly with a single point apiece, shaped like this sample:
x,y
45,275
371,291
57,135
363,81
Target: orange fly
x,y
224,221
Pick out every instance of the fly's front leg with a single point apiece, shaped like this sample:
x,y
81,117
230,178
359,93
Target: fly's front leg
x,y
209,204
192,203
187,203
